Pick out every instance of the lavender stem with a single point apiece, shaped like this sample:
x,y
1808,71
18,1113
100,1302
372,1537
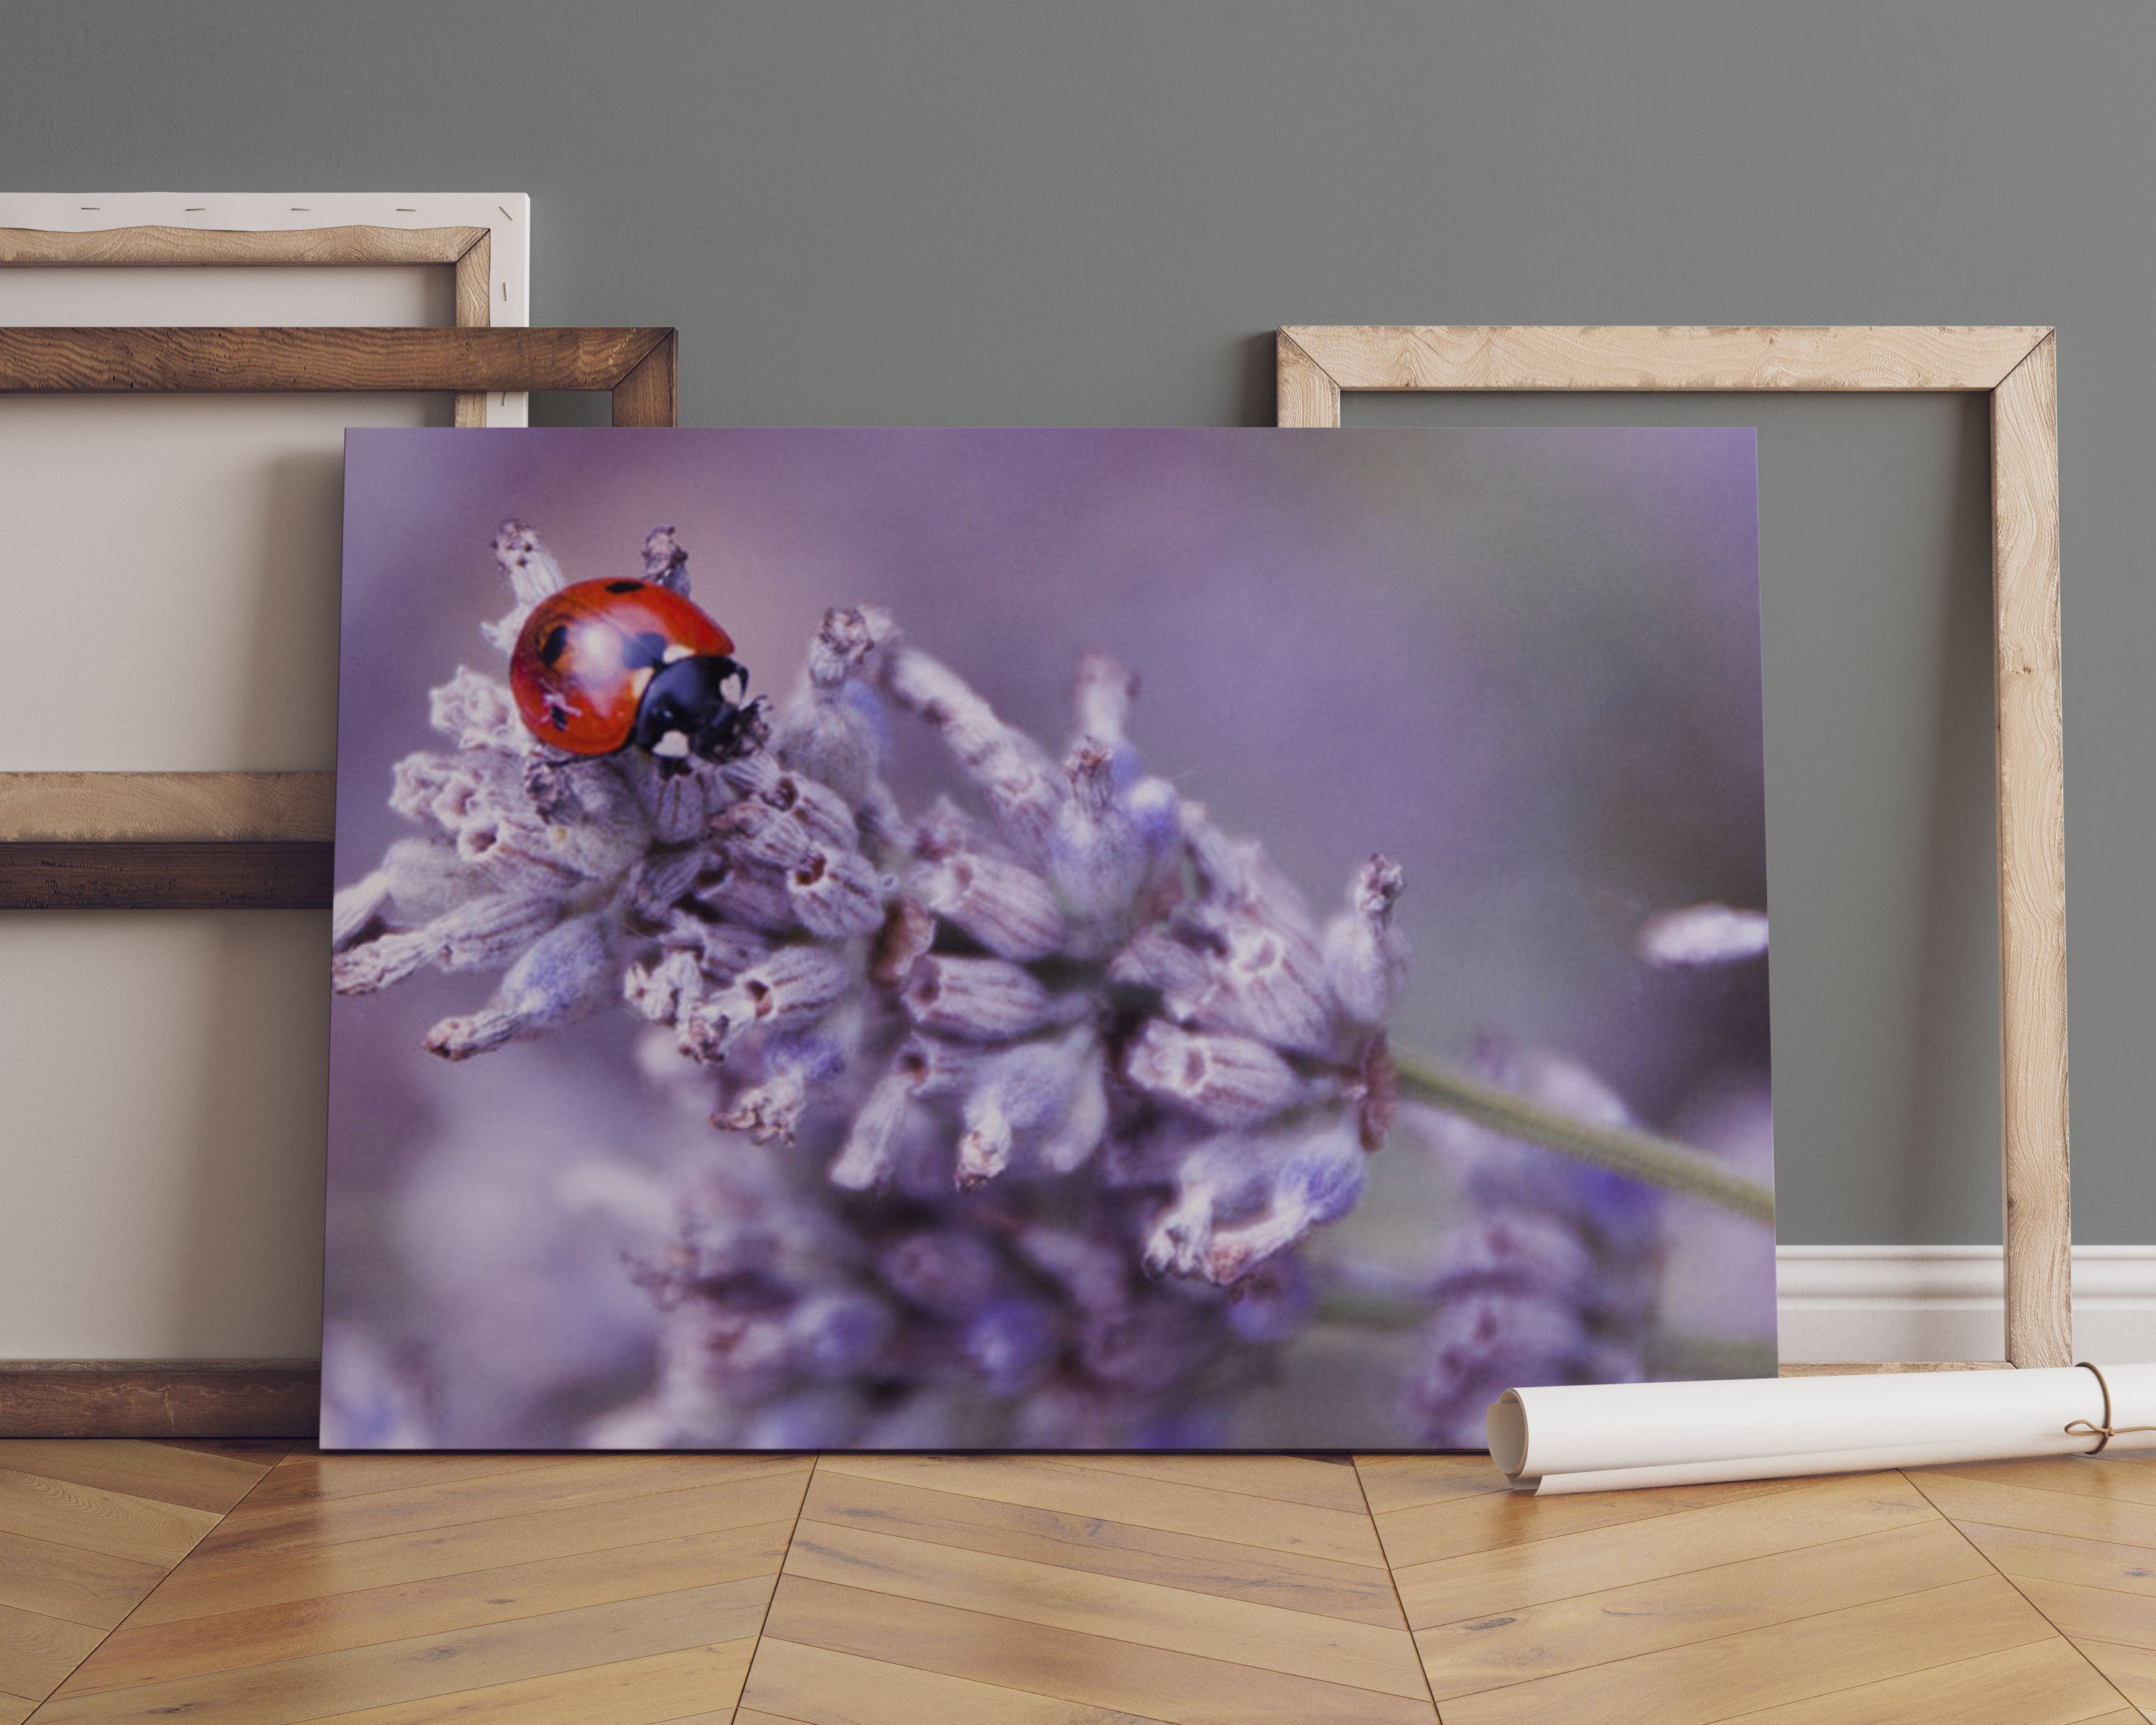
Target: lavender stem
x,y
1637,1155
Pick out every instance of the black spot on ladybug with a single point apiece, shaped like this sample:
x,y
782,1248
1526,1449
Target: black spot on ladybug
x,y
550,650
648,648
623,586
559,716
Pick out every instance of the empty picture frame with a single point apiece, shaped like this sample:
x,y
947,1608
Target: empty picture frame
x,y
483,237
2016,366
191,840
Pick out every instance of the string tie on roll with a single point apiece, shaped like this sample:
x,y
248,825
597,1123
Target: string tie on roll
x,y
2105,1433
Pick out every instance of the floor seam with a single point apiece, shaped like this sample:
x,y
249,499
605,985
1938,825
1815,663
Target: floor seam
x,y
52,1694
764,1623
2019,1591
1436,1713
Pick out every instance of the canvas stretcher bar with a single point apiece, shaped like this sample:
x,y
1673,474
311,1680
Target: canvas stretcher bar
x,y
2016,366
257,840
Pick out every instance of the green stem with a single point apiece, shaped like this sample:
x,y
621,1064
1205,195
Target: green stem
x,y
1637,1155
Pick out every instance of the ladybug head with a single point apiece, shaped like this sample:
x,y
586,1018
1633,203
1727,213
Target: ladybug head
x,y
686,710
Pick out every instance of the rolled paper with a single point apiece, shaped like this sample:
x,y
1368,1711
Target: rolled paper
x,y
1605,1437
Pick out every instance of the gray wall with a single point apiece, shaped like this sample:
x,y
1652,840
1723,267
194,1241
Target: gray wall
x,y
942,214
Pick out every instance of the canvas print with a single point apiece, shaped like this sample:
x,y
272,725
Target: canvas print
x,y
1037,940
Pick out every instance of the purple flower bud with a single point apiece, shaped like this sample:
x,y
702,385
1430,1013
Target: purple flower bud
x,y
837,1331
1103,696
1518,1252
665,564
664,990
1366,954
1033,1094
1156,959
1272,1303
836,894
532,574
1316,1182
1703,935
1268,983
822,812
975,999
949,1273
834,732
1097,857
791,989
770,1111
481,932
1147,1345
1006,764
1236,874
357,909
869,1156
1228,1080
562,976
477,712
1008,909
1011,1345
733,892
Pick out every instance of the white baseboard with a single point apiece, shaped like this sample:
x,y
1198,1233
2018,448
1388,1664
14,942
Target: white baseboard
x,y
1889,1302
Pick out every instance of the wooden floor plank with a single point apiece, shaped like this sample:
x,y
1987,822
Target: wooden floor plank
x,y
815,1685
432,1665
2095,1612
2040,1683
1757,1668
2020,1553
1486,1652
1185,1560
1288,1479
14,1709
399,1557
116,1523
1397,1482
256,1531
157,1471
1340,1535
66,1581
1961,1498
1478,1520
1537,1571
1099,1672
152,1653
2132,1671
309,1476
1237,1631
36,1651
2129,1478
634,1692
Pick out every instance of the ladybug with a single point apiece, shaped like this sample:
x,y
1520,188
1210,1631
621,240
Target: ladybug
x,y
602,664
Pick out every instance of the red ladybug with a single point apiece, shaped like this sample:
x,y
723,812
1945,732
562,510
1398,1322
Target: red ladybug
x,y
602,664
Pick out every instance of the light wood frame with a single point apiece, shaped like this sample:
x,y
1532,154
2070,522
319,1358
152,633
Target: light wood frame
x,y
467,248
2016,366
257,840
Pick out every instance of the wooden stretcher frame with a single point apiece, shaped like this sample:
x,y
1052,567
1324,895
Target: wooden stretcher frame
x,y
257,840
480,237
2016,366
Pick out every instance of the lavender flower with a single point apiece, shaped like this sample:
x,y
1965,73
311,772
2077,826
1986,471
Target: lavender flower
x,y
1556,1278
1025,1105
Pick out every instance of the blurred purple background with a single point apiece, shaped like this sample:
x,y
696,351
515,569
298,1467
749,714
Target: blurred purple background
x,y
1524,663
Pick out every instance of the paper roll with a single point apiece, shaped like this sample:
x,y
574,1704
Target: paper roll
x,y
1602,1437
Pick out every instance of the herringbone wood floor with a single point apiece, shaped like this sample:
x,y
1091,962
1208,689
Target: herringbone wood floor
x,y
261,1583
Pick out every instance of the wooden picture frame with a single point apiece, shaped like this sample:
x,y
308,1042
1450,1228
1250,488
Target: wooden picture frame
x,y
257,840
482,238
2016,368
